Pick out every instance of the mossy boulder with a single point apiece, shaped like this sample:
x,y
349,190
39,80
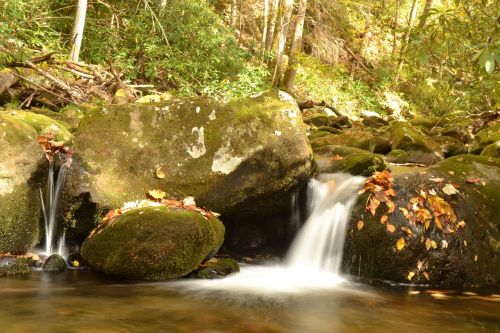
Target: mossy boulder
x,y
10,265
465,257
44,124
239,158
459,131
492,150
419,146
351,138
450,146
21,159
331,130
485,137
216,268
398,156
153,243
54,263
374,122
427,122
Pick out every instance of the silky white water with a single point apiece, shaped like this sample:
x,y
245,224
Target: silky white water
x,y
314,259
49,207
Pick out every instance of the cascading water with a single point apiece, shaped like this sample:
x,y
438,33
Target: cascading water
x,y
50,206
314,259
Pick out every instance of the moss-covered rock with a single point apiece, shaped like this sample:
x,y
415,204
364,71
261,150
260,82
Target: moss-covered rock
x,y
317,120
332,130
398,156
458,131
492,150
43,125
427,122
420,148
21,157
351,160
450,146
318,134
485,137
13,265
154,243
374,122
467,257
54,263
238,158
216,268
351,138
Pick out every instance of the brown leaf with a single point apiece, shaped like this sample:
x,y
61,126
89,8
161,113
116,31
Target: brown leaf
x,y
427,276
472,180
360,224
337,157
400,244
390,227
373,205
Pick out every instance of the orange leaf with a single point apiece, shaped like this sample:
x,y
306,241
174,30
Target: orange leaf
x,y
407,231
472,180
391,206
360,224
390,227
383,219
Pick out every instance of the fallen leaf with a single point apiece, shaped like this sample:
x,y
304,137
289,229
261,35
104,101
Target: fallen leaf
x,y
410,276
156,194
390,227
404,210
420,264
444,244
461,224
360,224
160,173
434,244
337,157
428,244
391,207
449,189
437,180
465,243
472,180
373,205
407,231
475,258
432,192
426,276
400,244
451,172
383,219
188,202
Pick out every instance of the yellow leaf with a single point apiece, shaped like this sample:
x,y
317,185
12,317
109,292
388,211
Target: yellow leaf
x,y
390,227
461,224
465,243
400,244
383,219
434,245
438,223
427,276
76,263
157,194
428,244
160,173
410,276
404,211
427,224
361,224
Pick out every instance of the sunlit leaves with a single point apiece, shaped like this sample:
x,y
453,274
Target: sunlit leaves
x,y
400,244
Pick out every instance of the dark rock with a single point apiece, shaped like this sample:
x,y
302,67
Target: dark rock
x,y
154,243
465,258
459,132
374,122
54,263
245,236
450,146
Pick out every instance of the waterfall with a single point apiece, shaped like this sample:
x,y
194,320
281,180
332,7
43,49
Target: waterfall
x,y
50,207
319,244
314,259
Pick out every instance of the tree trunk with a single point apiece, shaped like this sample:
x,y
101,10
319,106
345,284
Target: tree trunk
x,y
81,13
406,38
234,13
272,25
296,47
425,14
285,23
265,25
395,31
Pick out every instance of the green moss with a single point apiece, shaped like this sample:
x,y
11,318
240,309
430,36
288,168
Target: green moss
x,y
492,150
358,164
450,146
217,268
420,148
398,156
43,124
157,243
13,266
353,138
486,137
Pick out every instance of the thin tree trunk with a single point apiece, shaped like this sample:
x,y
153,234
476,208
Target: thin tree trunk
x,y
234,13
77,37
272,25
395,32
265,25
406,38
283,34
296,47
425,14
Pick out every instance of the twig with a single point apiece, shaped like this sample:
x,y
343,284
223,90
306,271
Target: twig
x,y
41,87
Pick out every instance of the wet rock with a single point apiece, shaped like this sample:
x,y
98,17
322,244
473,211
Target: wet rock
x,y
240,158
22,172
154,243
485,137
54,263
450,146
245,236
420,148
364,164
492,150
10,265
457,254
216,268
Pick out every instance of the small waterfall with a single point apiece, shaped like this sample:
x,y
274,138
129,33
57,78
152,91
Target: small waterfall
x,y
319,244
314,259
50,205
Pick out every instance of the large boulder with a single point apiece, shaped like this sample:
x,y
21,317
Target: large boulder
x,y
485,137
420,147
239,159
361,139
21,159
444,230
153,243
492,150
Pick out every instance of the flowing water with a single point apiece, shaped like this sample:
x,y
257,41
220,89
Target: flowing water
x,y
305,294
50,204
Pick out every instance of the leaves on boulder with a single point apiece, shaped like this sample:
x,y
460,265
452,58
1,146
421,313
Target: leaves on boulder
x,y
52,148
400,244
449,189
